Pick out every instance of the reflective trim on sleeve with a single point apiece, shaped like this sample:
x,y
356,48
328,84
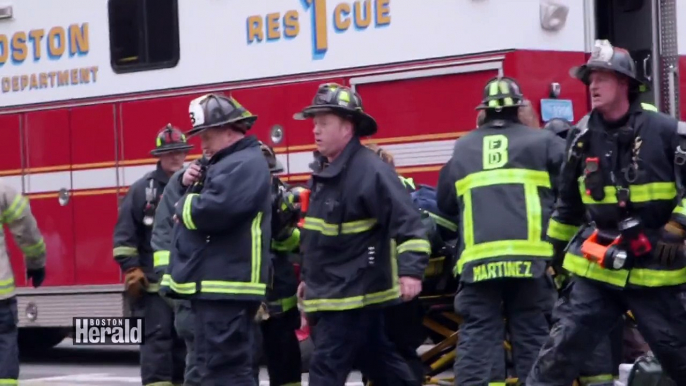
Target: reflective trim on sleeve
x,y
642,277
187,210
407,182
533,246
256,253
179,288
125,251
8,381
15,210
415,245
654,191
166,280
680,209
6,286
560,231
328,229
289,244
449,225
160,258
34,250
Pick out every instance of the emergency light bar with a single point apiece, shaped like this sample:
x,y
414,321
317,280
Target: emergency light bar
x,y
6,12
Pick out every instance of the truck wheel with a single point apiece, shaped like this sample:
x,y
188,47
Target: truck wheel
x,y
32,339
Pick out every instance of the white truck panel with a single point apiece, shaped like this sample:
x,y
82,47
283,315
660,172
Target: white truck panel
x,y
214,45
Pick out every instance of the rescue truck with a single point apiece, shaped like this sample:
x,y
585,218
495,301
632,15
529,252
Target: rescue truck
x,y
86,85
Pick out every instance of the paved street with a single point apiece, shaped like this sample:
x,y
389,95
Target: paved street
x,y
67,365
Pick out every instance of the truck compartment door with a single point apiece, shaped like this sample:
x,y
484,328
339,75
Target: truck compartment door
x,y
47,146
94,199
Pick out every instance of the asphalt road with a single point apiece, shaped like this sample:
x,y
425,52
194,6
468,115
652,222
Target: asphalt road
x,y
68,365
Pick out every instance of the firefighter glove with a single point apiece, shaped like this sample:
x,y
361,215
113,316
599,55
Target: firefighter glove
x,y
135,282
671,244
36,276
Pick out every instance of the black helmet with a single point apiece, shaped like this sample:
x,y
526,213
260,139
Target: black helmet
x,y
215,110
170,139
343,101
501,92
558,126
275,166
609,58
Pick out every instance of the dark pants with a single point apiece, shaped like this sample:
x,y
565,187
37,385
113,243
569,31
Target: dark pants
x,y
184,322
162,357
345,338
602,365
224,341
404,329
660,316
281,348
9,347
482,331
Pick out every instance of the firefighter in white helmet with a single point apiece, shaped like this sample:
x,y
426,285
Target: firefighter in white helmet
x,y
619,224
163,354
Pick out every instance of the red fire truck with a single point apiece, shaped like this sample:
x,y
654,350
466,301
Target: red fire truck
x,y
86,84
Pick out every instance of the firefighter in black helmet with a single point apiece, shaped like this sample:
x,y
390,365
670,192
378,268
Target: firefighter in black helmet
x,y
163,354
621,172
220,259
280,344
500,183
363,243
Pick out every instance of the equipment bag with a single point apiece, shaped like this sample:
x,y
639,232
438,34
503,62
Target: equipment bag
x,y
425,199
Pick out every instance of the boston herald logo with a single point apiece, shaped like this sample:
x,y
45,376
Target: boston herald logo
x,y
108,331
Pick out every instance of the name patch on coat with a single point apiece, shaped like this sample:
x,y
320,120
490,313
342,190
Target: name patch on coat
x,y
502,269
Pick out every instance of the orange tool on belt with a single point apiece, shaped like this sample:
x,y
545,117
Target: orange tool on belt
x,y
596,252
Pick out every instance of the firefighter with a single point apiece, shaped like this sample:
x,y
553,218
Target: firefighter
x,y
403,321
222,229
501,182
602,365
363,245
279,341
17,216
162,355
621,174
161,243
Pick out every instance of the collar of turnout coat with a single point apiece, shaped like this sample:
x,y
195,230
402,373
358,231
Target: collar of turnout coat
x,y
322,168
